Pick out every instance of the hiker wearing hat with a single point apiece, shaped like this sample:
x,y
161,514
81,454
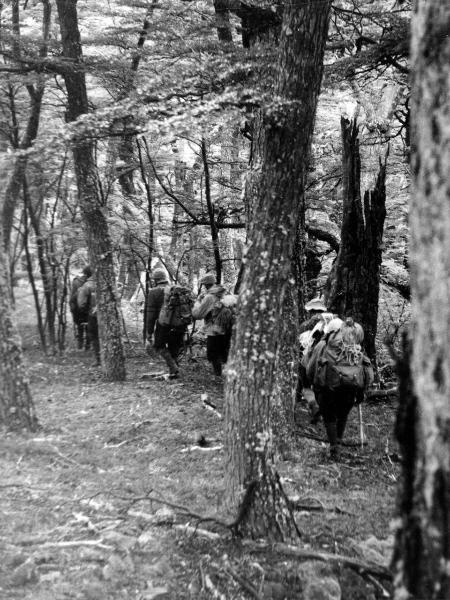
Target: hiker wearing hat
x,y
314,308
168,330
216,308
340,372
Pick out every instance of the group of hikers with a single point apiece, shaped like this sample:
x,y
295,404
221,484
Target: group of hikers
x,y
334,370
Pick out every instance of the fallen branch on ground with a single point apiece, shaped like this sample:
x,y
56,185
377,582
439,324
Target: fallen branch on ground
x,y
66,544
372,394
246,585
346,561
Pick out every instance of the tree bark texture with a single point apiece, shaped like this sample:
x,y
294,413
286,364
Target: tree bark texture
x,y
423,541
36,93
16,404
354,281
251,385
92,211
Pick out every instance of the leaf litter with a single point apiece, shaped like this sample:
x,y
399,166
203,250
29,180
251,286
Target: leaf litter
x,y
105,502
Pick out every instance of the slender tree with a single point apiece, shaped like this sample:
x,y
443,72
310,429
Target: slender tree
x,y
16,404
91,204
422,557
251,385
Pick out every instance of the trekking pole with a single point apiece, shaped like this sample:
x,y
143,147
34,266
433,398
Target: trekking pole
x,y
361,427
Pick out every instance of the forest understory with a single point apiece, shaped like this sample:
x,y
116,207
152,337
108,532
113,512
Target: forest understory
x,y
108,499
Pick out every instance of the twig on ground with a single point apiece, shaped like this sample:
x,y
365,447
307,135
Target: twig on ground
x,y
107,445
66,544
373,394
57,452
246,585
353,563
210,535
22,485
378,585
185,510
201,448
212,588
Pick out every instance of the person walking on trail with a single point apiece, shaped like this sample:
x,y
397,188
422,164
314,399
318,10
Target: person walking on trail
x,y
79,317
308,341
310,332
340,372
169,312
87,304
216,308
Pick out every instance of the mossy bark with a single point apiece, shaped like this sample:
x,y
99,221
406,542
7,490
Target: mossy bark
x,y
16,404
252,380
422,557
92,207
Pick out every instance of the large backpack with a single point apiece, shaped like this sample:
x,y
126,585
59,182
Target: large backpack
x,y
223,314
339,364
77,283
176,310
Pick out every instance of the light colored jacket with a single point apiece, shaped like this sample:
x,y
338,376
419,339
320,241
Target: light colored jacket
x,y
205,304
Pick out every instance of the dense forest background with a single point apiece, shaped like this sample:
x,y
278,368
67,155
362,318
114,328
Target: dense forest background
x,y
296,150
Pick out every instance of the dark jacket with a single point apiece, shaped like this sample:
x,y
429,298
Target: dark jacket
x,y
86,297
155,300
77,283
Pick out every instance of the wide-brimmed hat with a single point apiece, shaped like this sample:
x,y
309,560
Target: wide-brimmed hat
x,y
316,304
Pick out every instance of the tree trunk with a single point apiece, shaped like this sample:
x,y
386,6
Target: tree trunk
x,y
36,93
92,211
251,387
16,404
354,281
422,555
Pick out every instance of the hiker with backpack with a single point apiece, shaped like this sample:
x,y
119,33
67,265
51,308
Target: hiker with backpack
x,y
87,304
79,316
169,312
308,340
217,309
340,373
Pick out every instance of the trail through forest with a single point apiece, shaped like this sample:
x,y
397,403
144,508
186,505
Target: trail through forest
x,y
95,505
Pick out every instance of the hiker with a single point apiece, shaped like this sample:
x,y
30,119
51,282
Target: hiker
x,y
308,341
216,308
314,309
169,312
340,372
87,304
80,317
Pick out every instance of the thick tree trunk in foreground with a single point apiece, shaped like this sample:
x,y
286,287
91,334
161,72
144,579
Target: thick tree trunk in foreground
x,y
423,541
355,278
16,404
92,210
251,386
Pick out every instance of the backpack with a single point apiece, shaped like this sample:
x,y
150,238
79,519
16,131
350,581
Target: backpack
x,y
223,315
340,364
87,298
77,283
176,310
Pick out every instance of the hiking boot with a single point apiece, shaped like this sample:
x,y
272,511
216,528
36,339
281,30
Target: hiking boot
x,y
335,452
217,366
333,439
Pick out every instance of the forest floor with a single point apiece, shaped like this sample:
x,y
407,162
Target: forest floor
x,y
95,504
